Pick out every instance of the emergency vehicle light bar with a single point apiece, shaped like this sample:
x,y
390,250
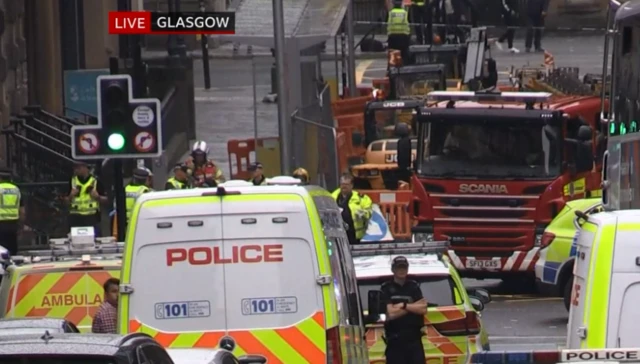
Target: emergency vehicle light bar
x,y
557,356
527,97
65,247
283,181
434,247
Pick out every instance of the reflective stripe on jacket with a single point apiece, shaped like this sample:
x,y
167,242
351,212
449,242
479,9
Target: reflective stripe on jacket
x,y
177,185
398,22
83,204
9,202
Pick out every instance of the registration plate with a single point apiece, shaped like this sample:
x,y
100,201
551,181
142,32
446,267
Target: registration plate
x,y
483,264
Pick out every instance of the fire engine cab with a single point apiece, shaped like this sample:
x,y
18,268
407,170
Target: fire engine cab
x,y
494,168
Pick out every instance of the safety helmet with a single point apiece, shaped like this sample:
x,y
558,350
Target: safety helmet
x,y
301,174
200,147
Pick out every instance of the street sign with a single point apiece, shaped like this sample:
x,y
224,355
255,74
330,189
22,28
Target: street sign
x,y
89,143
80,93
127,127
144,142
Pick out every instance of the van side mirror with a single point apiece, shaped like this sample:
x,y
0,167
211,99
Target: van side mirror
x,y
476,303
252,359
584,156
482,294
585,133
582,217
374,302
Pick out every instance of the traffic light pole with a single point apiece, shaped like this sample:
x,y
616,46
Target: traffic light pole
x,y
118,178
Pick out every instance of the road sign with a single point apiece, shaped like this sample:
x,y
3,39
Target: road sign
x,y
144,142
89,143
136,122
80,94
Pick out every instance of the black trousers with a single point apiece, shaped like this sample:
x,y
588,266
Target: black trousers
x,y
400,42
534,35
508,35
452,22
405,352
423,18
9,237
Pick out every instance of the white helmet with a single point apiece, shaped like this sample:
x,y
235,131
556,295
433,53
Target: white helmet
x,y
200,147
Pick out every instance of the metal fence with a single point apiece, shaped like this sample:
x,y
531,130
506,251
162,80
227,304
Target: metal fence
x,y
315,136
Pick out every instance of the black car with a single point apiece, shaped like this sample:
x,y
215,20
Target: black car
x,y
36,325
62,348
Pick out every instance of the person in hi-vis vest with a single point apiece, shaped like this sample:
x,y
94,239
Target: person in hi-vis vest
x,y
398,31
135,189
180,179
11,212
86,194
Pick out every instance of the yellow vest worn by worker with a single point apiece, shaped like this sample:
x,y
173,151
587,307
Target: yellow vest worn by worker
x,y
132,192
398,22
177,185
83,204
360,206
417,2
10,202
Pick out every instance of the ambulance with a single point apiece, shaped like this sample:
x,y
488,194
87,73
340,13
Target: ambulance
x,y
257,270
64,282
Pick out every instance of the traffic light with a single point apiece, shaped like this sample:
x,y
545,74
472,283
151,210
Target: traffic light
x,y
127,127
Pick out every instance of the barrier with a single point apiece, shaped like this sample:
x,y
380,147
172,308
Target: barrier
x,y
395,208
349,106
344,150
243,152
354,119
398,220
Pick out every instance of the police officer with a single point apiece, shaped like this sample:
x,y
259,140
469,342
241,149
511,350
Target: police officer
x,y
509,16
11,211
419,16
356,208
180,179
302,175
406,308
257,178
86,193
398,31
135,189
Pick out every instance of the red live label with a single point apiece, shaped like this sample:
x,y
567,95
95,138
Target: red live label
x,y
214,255
129,22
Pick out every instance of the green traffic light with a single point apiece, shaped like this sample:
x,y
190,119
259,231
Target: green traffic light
x,y
115,141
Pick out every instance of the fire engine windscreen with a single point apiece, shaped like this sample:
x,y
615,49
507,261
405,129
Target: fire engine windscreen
x,y
439,290
487,150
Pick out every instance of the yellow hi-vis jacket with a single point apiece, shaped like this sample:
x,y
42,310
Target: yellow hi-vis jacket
x,y
177,185
83,204
398,22
9,202
361,210
132,192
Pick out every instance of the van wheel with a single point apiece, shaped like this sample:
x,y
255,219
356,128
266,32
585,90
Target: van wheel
x,y
568,286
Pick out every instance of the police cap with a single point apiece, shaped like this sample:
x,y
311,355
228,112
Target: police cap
x,y
80,164
400,261
140,173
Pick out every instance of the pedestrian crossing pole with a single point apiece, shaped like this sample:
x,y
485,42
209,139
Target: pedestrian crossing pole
x,y
284,122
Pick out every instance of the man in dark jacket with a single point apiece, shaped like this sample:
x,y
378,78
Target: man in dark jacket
x,y
453,14
509,16
536,12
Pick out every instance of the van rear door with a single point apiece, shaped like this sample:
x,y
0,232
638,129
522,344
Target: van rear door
x,y
73,292
274,305
581,269
176,279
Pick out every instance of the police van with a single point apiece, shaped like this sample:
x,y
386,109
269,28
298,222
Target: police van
x,y
599,356
258,270
606,289
64,282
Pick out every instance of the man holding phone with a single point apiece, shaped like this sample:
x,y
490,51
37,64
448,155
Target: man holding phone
x,y
406,308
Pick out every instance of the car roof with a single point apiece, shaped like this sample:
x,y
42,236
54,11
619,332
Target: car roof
x,y
78,344
419,265
31,322
193,356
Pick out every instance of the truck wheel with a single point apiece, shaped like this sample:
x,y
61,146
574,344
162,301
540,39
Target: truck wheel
x,y
568,287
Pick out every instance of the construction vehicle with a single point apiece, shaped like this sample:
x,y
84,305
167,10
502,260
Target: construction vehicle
x,y
494,168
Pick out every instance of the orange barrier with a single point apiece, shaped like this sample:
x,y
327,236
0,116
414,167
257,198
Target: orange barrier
x,y
355,150
344,150
355,120
388,196
398,219
350,106
242,154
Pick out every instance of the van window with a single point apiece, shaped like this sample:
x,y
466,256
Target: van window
x,y
439,291
349,279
